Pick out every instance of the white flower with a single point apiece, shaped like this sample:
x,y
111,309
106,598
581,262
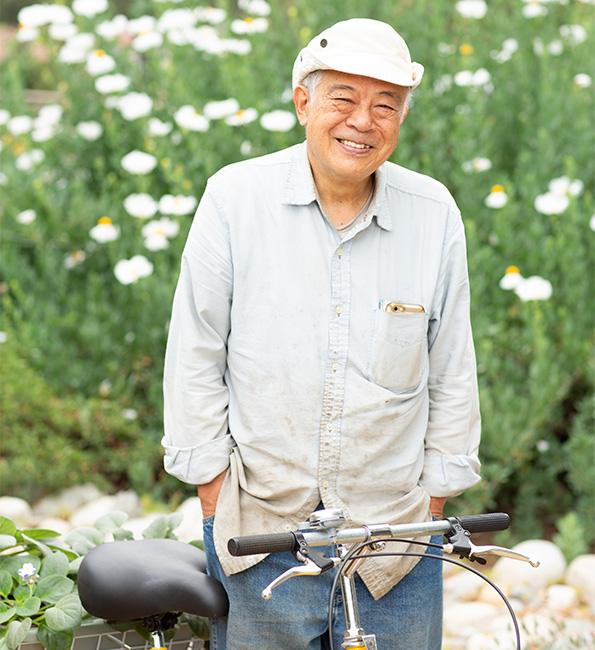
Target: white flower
x,y
555,48
27,571
574,34
218,110
38,15
534,10
27,34
278,121
76,49
98,62
139,162
43,133
564,185
512,278
210,15
26,217
477,165
4,116
62,32
147,41
189,118
497,198
19,124
582,80
534,288
27,161
551,203
472,8
157,233
255,7
242,117
89,130
3,337
111,29
176,19
89,8
49,115
141,206
232,45
111,83
177,205
129,271
141,25
104,231
135,105
480,77
592,222
130,414
249,26
74,259
157,127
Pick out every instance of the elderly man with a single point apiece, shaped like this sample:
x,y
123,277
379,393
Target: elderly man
x,y
320,351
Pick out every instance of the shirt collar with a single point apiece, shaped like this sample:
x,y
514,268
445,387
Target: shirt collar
x,y
300,188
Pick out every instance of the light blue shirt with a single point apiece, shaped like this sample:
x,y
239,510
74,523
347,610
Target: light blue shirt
x,y
281,366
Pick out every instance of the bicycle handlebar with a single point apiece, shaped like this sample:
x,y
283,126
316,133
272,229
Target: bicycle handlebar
x,y
280,542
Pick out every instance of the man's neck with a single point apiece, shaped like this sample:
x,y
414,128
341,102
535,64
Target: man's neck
x,y
342,202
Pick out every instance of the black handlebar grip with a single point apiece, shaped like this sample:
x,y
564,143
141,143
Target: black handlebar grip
x,y
257,544
485,523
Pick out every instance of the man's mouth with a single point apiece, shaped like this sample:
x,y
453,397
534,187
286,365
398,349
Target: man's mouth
x,y
355,145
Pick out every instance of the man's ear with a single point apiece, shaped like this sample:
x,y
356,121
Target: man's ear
x,y
301,99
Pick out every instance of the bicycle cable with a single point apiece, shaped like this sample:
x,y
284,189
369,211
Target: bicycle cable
x,y
351,555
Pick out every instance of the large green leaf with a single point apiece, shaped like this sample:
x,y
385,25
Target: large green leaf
x,y
17,631
39,533
52,588
6,613
7,527
29,607
13,563
111,521
199,625
81,540
163,526
53,640
55,564
7,541
66,614
6,583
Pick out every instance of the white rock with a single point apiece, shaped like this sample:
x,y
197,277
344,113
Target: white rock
x,y
581,574
561,598
137,525
537,628
64,504
18,510
191,526
462,586
482,641
462,619
522,576
88,514
54,523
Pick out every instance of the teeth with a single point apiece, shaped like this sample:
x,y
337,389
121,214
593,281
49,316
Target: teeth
x,y
349,143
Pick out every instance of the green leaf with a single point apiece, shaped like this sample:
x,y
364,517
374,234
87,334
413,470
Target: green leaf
x,y
199,625
30,607
6,613
53,640
7,541
40,533
111,521
44,548
52,588
6,583
121,534
55,564
66,614
17,631
7,527
163,526
71,555
81,540
13,563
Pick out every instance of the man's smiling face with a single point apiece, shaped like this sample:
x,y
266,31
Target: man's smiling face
x,y
352,125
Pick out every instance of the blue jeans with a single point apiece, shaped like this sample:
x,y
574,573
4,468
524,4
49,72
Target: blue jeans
x,y
409,617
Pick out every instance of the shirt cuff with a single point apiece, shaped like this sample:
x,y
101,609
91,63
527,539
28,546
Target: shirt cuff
x,y
448,476
198,465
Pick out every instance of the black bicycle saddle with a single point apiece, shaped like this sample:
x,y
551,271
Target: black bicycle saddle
x,y
130,580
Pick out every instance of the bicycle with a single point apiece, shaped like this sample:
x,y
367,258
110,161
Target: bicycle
x,y
111,573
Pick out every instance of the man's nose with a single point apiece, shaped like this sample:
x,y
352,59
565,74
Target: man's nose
x,y
360,118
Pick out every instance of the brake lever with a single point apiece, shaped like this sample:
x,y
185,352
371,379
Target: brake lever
x,y
502,552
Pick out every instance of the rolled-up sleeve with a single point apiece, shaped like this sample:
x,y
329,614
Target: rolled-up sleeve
x,y
196,439
451,463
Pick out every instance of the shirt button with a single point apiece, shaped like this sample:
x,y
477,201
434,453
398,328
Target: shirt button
x,y
287,527
335,367
338,309
339,252
329,427
325,485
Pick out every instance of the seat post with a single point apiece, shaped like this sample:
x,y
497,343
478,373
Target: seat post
x,y
157,625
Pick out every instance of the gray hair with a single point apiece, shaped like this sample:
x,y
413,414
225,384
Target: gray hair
x,y
312,80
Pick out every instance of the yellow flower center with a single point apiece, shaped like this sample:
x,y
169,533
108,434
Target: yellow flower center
x,y
240,112
512,269
249,20
466,49
104,221
99,52
497,188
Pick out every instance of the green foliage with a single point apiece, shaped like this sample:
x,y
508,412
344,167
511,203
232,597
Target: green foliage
x,y
38,573
91,348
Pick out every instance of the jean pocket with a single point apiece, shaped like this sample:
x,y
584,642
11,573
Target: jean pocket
x,y
398,353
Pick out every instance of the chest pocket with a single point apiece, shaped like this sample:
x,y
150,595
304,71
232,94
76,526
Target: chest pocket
x,y
398,350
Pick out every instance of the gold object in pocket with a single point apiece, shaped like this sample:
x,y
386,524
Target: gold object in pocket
x,y
402,307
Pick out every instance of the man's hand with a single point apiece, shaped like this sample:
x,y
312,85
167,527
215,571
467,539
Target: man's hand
x,y
209,493
437,506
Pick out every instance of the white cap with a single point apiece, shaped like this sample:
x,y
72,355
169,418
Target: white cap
x,y
359,46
